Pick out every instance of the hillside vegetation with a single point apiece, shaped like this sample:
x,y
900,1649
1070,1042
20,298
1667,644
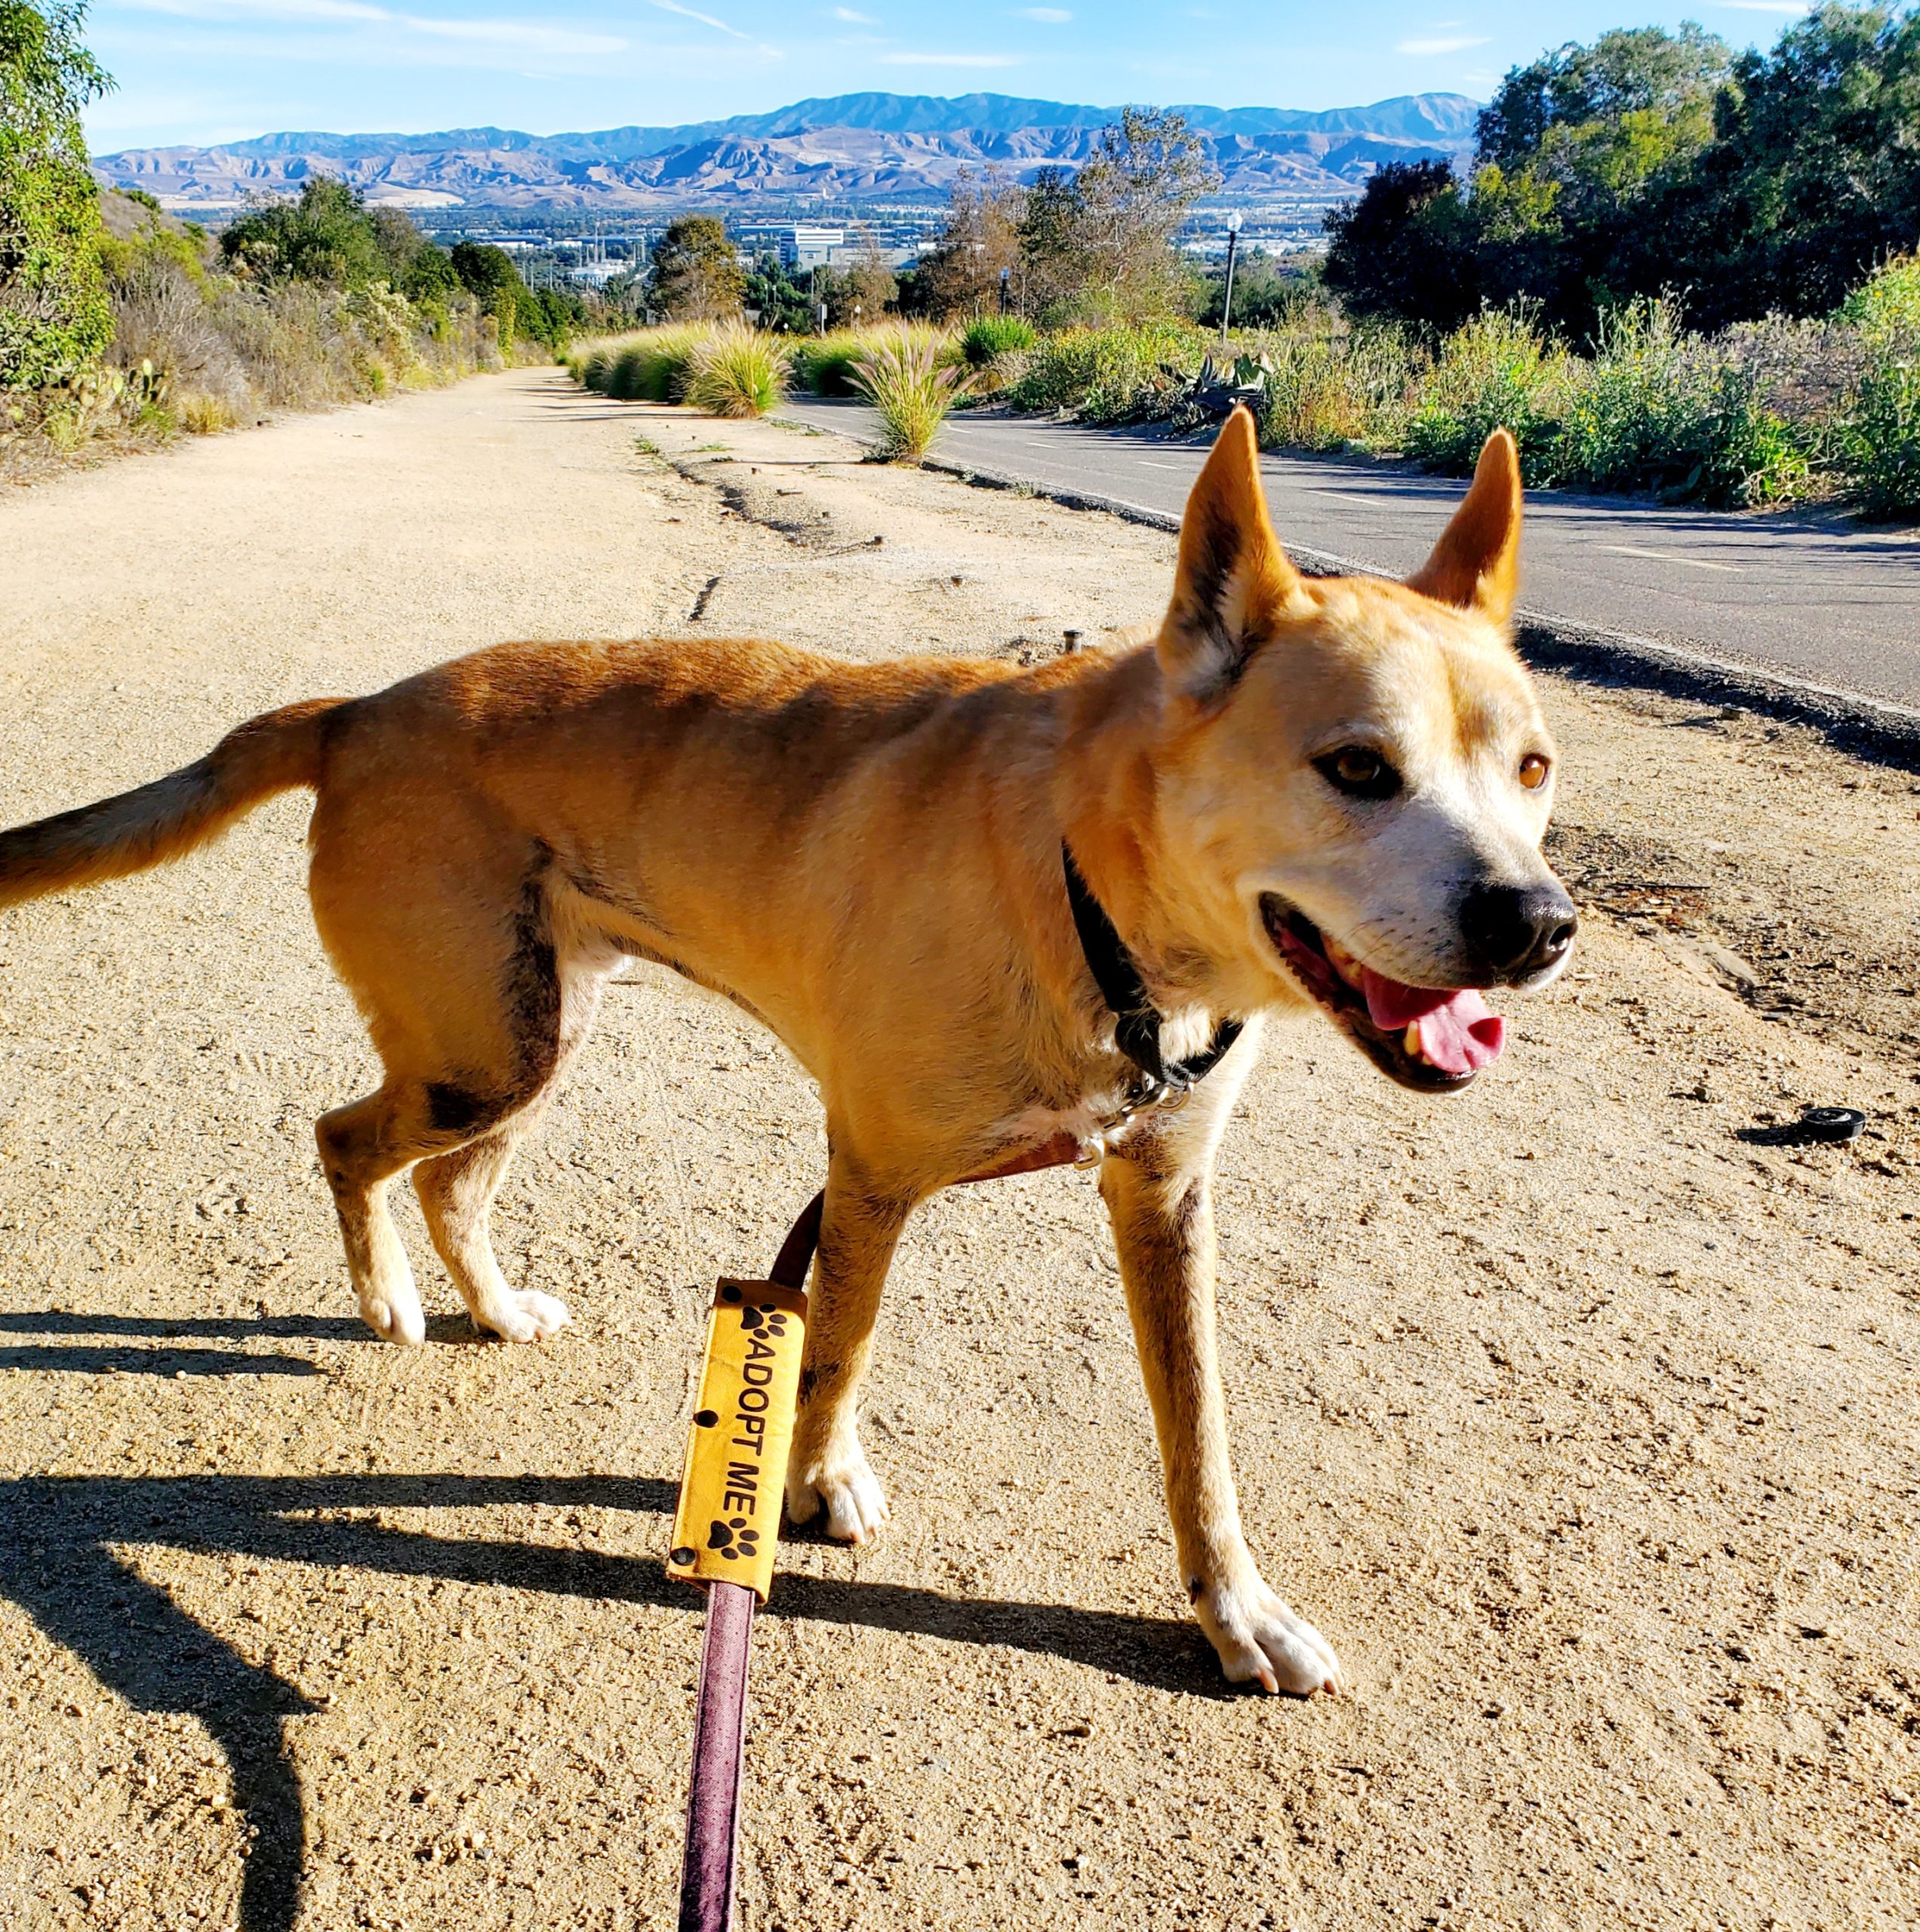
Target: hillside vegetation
x,y
1446,307
119,324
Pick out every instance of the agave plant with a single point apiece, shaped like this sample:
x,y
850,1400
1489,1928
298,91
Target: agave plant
x,y
907,381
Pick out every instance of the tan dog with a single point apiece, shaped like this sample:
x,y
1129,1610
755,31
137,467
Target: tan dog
x,y
1305,792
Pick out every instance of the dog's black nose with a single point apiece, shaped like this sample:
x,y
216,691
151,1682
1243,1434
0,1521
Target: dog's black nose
x,y
1514,931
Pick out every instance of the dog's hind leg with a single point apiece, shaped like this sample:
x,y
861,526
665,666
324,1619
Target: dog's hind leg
x,y
859,1230
362,1147
456,1189
452,955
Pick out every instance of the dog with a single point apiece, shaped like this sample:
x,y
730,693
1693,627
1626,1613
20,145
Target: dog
x,y
927,879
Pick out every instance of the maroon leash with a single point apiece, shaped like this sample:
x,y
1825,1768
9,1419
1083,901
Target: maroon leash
x,y
713,1799
707,1873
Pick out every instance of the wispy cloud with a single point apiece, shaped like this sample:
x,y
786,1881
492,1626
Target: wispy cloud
x,y
525,35
858,19
945,60
705,19
1452,43
1052,16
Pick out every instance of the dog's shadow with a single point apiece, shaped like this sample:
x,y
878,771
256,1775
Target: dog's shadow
x,y
58,1561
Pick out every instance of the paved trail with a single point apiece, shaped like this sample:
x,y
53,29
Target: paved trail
x,y
1584,1427
1820,600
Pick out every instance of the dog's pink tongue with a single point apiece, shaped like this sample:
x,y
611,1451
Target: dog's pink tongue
x,y
1458,1031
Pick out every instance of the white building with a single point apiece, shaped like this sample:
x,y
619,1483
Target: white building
x,y
805,247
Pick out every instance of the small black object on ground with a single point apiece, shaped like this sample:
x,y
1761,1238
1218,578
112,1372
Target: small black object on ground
x,y
1816,1126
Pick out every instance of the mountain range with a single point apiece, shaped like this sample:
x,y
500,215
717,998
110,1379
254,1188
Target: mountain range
x,y
858,146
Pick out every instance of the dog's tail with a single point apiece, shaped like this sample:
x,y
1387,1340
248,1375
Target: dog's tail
x,y
171,816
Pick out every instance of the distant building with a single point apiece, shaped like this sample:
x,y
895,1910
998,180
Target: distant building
x,y
804,247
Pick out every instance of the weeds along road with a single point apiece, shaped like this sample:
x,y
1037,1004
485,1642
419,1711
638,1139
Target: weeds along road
x,y
1820,599
1579,1415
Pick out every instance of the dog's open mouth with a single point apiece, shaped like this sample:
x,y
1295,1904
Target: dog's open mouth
x,y
1434,1039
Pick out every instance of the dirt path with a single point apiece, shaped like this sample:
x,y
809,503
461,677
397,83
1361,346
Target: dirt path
x,y
1585,1428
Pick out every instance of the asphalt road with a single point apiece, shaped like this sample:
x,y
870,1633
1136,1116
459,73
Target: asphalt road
x,y
1816,599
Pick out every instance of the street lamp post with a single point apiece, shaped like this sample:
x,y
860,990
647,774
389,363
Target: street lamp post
x,y
1232,249
1006,291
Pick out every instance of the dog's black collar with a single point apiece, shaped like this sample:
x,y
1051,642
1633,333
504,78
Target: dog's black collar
x,y
1135,1018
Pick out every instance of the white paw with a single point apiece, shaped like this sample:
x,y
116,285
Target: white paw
x,y
395,1317
1261,1640
856,1504
524,1316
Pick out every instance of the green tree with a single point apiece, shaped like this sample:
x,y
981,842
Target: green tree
x,y
696,275
1264,293
1578,153
429,276
327,235
1629,72
1576,150
1404,251
1099,244
1813,174
488,274
54,315
783,302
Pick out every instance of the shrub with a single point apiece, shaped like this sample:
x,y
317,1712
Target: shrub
x,y
1656,409
161,319
907,381
737,371
1877,437
1111,375
1328,388
1494,372
986,338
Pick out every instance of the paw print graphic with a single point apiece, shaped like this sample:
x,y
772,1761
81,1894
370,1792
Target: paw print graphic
x,y
732,1538
765,1316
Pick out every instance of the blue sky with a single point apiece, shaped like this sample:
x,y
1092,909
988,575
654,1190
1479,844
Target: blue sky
x,y
199,71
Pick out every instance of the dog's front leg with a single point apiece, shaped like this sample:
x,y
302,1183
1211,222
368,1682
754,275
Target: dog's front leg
x,y
859,1228
1164,1225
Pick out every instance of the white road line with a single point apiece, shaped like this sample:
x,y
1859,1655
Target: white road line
x,y
1179,468
1668,557
1342,497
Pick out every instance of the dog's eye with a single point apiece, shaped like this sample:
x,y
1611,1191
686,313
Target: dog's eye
x,y
1358,772
1534,769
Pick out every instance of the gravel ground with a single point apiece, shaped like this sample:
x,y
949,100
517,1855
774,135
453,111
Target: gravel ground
x,y
1578,1414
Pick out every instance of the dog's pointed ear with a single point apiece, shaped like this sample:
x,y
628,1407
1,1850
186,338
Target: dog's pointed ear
x,y
1234,582
1476,565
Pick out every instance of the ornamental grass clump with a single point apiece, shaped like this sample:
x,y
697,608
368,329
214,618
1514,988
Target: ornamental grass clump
x,y
986,338
826,364
650,367
912,388
737,371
